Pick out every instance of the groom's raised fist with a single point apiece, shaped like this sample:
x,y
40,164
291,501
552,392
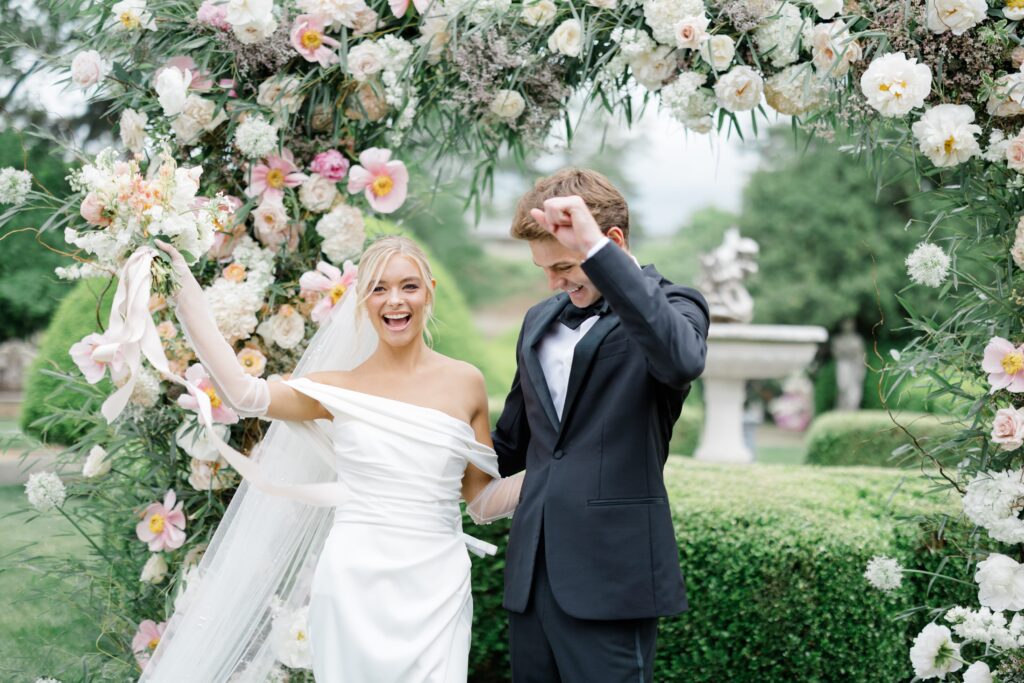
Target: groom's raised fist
x,y
570,222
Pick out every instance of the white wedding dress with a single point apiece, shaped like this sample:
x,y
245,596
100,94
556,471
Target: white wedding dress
x,y
390,600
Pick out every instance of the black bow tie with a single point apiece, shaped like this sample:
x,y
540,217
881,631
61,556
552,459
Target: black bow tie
x,y
572,316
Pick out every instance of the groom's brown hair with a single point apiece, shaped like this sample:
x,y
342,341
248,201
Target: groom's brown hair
x,y
606,204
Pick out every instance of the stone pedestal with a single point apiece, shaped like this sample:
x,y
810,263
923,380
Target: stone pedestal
x,y
738,353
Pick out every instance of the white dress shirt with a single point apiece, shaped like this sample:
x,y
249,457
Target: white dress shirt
x,y
558,346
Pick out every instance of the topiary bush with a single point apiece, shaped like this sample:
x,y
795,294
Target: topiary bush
x,y
869,437
773,557
46,394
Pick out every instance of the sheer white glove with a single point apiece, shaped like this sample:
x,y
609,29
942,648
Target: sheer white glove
x,y
497,500
248,395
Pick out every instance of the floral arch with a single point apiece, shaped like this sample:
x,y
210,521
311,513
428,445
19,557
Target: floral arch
x,y
257,135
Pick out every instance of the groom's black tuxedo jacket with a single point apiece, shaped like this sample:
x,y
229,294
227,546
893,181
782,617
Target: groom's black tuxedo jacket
x,y
594,480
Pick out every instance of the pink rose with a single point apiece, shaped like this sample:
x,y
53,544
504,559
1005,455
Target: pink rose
x,y
330,164
1015,153
1008,428
88,68
92,211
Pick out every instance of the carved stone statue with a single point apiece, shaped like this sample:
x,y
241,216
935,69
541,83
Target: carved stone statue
x,y
722,274
851,367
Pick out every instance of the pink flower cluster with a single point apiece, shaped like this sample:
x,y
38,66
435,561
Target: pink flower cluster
x,y
385,182
330,164
326,285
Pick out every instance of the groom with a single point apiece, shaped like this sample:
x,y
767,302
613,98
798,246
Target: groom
x,y
603,369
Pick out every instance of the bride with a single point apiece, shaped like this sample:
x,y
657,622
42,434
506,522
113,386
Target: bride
x,y
389,587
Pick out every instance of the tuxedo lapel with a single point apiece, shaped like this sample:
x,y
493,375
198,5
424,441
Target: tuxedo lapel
x,y
583,357
532,359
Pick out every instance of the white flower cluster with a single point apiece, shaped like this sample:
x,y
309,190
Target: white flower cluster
x,y
235,304
337,13
664,15
689,102
987,627
256,137
14,186
651,64
928,265
252,21
884,573
795,90
778,39
993,501
45,491
147,389
343,232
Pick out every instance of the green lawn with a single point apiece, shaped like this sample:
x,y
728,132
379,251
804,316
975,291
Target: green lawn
x,y
39,634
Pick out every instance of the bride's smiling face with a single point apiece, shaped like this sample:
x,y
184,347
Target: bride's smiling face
x,y
397,304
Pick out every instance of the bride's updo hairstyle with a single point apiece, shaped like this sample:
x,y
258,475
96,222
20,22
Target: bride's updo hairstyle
x,y
375,259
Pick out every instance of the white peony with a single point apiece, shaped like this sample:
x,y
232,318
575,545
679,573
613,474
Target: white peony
x,y
89,68
692,32
653,67
289,639
956,16
1014,11
827,9
884,573
507,104
893,84
795,90
96,463
242,12
133,129
155,569
740,89
255,31
45,491
934,653
318,193
172,89
1000,582
539,13
833,50
567,38
255,137
286,328
718,52
978,673
947,134
993,501
193,438
365,60
663,16
778,38
928,265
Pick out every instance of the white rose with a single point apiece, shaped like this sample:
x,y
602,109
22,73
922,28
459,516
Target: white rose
x,y
88,68
1000,583
255,31
718,51
827,8
286,328
270,223
155,569
691,32
947,135
96,463
833,51
365,59
651,68
172,89
539,13
567,38
196,117
740,89
210,476
893,84
956,16
507,104
318,193
280,94
978,673
133,129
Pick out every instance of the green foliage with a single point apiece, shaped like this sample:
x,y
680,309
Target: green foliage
x,y
29,291
773,558
686,433
869,437
51,408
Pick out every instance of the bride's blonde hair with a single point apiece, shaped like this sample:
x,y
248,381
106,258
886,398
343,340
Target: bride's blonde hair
x,y
375,259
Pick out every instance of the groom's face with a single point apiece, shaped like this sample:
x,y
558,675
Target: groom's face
x,y
561,265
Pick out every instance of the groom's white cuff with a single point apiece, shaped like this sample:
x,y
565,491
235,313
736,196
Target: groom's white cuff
x,y
597,247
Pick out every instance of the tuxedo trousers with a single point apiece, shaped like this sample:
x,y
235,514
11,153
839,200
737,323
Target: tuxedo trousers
x,y
549,646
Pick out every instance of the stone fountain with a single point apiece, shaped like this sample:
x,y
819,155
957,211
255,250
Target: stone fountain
x,y
738,351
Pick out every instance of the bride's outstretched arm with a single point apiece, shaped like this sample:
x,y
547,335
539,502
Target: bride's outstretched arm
x,y
487,498
249,396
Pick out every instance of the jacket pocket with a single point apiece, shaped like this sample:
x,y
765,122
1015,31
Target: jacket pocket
x,y
651,500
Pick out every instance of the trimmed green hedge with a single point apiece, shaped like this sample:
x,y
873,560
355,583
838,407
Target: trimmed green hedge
x,y
774,558
45,394
869,437
686,433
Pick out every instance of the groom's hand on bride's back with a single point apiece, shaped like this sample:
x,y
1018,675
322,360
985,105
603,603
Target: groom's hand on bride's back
x,y
569,220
